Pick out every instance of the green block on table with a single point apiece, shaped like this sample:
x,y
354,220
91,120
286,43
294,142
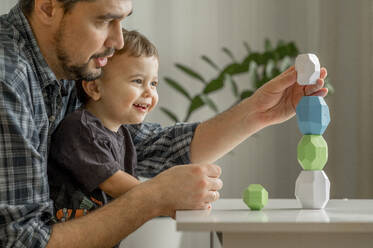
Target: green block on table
x,y
312,152
255,196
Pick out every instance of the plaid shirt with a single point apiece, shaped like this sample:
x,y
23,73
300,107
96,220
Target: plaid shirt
x,y
32,103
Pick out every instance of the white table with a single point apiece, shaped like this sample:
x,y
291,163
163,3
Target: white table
x,y
282,223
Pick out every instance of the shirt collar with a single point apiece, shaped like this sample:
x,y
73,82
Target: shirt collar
x,y
18,19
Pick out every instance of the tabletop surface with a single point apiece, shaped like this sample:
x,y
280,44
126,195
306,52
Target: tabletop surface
x,y
280,215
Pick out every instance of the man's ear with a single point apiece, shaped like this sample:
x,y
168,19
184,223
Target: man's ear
x,y
46,10
92,89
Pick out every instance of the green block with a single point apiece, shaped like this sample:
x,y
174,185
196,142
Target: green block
x,y
312,152
255,196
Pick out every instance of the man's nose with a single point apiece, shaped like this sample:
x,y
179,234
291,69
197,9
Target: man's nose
x,y
115,38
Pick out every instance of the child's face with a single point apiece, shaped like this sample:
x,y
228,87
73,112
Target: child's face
x,y
128,88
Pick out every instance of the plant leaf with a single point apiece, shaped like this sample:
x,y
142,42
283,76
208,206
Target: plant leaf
x,y
210,103
246,94
267,45
293,50
214,85
235,68
190,72
275,72
246,45
285,63
196,103
257,58
177,87
229,53
257,79
210,62
280,43
234,86
170,114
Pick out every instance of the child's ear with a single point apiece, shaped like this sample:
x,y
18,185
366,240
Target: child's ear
x,y
92,89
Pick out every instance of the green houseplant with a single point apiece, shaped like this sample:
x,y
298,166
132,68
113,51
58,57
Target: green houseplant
x,y
262,67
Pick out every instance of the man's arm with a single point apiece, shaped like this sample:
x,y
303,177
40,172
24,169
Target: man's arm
x,y
108,225
25,207
273,103
160,148
181,187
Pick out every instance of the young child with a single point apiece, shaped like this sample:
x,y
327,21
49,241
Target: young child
x,y
92,157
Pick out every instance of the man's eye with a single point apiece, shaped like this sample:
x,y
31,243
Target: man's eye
x,y
155,83
103,22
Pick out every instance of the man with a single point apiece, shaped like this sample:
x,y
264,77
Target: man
x,y
44,44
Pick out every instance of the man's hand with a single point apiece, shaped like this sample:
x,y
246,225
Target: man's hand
x,y
191,186
275,102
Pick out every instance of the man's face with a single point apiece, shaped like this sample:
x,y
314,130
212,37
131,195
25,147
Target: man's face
x,y
87,35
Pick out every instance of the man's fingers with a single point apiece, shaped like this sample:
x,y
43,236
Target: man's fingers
x,y
290,69
289,77
323,73
214,184
212,196
212,170
283,81
310,89
323,92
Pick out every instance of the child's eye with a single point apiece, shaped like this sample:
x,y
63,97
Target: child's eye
x,y
138,81
155,83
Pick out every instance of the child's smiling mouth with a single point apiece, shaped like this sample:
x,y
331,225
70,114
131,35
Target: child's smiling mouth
x,y
141,107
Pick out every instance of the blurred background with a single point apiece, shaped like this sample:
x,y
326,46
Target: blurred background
x,y
339,32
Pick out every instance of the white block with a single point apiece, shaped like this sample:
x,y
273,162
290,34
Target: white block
x,y
308,68
312,189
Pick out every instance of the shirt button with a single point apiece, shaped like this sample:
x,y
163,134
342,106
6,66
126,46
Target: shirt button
x,y
52,118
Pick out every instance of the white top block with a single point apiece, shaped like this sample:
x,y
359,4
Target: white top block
x,y
308,68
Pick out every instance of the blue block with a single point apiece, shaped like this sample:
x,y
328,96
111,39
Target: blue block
x,y
313,115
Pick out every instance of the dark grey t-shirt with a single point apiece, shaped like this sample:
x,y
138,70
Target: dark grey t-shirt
x,y
85,153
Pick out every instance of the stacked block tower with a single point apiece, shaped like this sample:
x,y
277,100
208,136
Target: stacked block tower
x,y
312,188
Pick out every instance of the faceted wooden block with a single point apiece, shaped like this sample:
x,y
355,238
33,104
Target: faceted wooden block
x,y
312,152
255,196
308,68
313,115
312,189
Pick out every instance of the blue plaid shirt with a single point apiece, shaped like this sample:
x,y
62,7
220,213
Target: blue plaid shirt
x,y
32,103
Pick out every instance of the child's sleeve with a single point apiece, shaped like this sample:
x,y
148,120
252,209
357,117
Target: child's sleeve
x,y
161,148
89,159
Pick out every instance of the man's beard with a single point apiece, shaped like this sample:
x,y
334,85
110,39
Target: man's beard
x,y
77,71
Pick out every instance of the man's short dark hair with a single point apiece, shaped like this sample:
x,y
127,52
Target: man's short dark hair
x,y
135,45
28,5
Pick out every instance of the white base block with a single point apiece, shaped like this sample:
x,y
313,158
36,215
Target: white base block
x,y
312,189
